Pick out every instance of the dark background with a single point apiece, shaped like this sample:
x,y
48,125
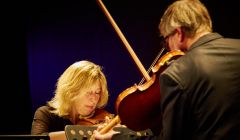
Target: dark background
x,y
41,38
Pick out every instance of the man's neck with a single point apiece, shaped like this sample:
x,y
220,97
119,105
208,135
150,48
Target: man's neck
x,y
192,40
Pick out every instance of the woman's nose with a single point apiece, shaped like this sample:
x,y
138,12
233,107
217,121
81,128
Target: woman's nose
x,y
93,97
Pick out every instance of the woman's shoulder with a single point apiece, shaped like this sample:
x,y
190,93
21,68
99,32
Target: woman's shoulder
x,y
44,110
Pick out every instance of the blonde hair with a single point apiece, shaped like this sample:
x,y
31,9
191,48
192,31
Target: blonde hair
x,y
191,15
79,75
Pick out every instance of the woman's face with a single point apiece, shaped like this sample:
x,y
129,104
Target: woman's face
x,y
87,100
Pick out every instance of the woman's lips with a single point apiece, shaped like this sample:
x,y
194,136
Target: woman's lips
x,y
89,107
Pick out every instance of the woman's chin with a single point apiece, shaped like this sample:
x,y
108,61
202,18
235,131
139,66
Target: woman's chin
x,y
88,112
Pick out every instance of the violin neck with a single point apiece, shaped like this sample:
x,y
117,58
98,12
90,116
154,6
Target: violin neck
x,y
114,122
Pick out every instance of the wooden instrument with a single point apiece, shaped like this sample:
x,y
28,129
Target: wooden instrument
x,y
138,107
96,119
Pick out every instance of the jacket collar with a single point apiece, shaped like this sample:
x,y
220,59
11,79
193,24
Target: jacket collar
x,y
205,39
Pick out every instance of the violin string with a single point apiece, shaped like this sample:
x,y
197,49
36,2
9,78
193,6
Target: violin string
x,y
154,62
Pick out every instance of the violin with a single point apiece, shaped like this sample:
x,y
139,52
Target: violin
x,y
98,118
138,107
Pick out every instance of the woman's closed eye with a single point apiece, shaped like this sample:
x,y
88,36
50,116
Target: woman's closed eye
x,y
89,94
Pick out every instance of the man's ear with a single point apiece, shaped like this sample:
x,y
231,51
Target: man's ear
x,y
180,33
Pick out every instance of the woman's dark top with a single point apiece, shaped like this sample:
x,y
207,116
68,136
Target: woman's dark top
x,y
44,121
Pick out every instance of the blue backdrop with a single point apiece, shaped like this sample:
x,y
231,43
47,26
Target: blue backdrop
x,y
44,37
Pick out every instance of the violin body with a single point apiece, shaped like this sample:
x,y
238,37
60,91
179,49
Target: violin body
x,y
96,119
139,106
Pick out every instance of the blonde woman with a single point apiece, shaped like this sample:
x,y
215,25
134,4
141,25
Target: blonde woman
x,y
80,91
